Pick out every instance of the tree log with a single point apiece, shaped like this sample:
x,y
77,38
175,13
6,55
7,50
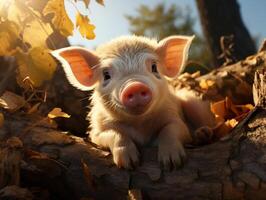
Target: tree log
x,y
54,165
233,81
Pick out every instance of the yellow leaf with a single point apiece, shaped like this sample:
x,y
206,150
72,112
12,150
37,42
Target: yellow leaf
x,y
37,64
18,12
100,2
9,33
11,101
1,120
4,8
36,5
85,28
60,19
206,84
36,34
231,123
57,112
219,108
86,2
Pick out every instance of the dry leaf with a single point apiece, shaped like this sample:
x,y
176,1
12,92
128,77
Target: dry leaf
x,y
57,112
219,109
85,28
1,119
228,115
60,20
36,33
134,194
206,84
87,173
37,64
11,101
34,108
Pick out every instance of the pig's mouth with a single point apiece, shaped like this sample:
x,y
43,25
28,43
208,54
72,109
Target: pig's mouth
x,y
133,111
137,110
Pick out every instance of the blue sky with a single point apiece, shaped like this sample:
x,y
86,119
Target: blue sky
x,y
110,21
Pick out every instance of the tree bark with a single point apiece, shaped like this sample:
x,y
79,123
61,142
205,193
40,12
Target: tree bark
x,y
223,19
53,165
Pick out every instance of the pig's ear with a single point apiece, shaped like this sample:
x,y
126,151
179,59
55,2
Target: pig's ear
x,y
79,65
173,52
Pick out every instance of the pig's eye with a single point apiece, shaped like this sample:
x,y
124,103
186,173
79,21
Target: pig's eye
x,y
154,70
106,76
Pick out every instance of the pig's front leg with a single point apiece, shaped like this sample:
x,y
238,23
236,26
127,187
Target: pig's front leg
x,y
125,153
171,138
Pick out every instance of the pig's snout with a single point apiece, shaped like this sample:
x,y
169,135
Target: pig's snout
x,y
136,95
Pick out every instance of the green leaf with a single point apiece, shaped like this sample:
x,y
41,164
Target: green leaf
x,y
85,28
9,33
100,2
37,64
60,19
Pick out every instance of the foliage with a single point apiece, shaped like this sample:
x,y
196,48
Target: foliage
x,y
26,27
160,22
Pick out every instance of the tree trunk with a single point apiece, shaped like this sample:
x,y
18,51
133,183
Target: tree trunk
x,y
222,23
39,162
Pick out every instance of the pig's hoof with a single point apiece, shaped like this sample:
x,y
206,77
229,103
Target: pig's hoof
x,y
203,135
126,156
171,156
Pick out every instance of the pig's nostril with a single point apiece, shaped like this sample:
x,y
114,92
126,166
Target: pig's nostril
x,y
144,93
130,96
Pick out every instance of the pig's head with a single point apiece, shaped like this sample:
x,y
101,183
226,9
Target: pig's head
x,y
129,74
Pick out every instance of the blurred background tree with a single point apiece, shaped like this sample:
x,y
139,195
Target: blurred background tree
x,y
222,19
161,21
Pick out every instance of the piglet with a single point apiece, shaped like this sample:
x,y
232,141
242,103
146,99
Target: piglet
x,y
132,102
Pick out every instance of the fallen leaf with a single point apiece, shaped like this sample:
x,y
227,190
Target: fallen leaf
x,y
85,28
228,115
87,173
34,108
37,64
11,101
60,19
206,84
134,194
1,119
219,109
57,112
